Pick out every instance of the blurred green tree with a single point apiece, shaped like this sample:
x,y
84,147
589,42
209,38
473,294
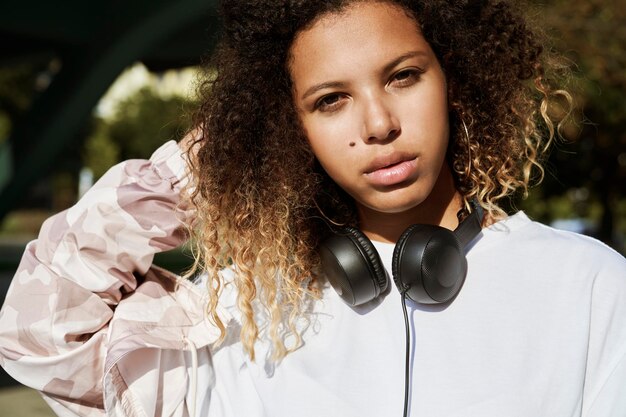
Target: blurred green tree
x,y
99,151
140,123
589,169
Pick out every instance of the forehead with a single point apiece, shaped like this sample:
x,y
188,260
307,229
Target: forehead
x,y
362,32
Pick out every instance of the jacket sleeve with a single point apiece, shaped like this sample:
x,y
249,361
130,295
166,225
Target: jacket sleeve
x,y
54,322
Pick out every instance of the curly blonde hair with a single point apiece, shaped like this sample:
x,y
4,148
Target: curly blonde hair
x,y
258,189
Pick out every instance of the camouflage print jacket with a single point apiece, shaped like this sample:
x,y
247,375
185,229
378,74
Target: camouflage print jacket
x,y
90,322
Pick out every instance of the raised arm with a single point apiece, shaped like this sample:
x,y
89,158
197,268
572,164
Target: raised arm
x,y
54,322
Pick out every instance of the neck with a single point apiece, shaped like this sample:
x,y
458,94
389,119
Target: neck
x,y
439,208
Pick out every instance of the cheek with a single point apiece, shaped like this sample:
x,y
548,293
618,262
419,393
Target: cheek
x,y
428,123
335,158
329,140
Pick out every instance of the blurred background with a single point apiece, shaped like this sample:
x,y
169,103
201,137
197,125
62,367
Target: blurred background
x,y
84,85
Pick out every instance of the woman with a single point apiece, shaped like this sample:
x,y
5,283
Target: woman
x,y
338,119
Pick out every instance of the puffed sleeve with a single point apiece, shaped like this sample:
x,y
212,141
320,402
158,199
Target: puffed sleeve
x,y
54,322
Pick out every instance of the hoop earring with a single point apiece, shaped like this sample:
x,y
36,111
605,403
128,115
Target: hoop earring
x,y
465,209
466,130
469,149
325,217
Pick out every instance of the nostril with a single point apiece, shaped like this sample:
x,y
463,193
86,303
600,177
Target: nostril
x,y
391,135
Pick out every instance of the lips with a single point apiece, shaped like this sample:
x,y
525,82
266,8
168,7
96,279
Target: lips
x,y
391,169
386,161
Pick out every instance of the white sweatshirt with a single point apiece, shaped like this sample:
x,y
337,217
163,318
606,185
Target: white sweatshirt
x,y
538,330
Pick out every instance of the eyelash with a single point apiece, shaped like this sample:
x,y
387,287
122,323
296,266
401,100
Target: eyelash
x,y
412,76
328,107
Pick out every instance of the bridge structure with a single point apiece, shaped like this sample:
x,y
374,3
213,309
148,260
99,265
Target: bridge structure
x,y
93,42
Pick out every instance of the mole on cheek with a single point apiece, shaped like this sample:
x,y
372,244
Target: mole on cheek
x,y
352,143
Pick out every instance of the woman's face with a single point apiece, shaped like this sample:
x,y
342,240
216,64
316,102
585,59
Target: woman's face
x,y
372,99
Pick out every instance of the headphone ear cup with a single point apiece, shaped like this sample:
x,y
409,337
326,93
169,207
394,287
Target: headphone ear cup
x,y
429,264
352,266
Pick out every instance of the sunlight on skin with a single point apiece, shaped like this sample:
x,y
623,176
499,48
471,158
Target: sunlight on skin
x,y
372,98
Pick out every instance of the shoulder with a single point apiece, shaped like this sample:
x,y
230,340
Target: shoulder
x,y
534,241
538,255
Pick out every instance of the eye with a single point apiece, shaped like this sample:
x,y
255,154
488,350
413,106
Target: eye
x,y
406,77
329,102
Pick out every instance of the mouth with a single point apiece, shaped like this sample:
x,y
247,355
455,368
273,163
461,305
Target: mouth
x,y
388,162
391,169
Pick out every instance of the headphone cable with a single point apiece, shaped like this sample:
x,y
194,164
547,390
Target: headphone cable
x,y
408,355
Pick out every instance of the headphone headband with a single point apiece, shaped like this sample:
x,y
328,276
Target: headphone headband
x,y
471,226
428,262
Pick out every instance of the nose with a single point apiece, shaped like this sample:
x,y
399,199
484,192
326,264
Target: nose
x,y
379,121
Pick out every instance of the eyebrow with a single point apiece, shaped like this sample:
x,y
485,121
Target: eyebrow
x,y
337,84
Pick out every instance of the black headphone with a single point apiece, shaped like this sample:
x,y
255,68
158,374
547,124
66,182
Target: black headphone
x,y
428,262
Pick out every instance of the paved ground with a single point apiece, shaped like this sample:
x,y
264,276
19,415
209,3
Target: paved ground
x,y
22,402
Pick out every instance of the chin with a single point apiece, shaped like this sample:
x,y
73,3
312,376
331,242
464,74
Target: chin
x,y
392,205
